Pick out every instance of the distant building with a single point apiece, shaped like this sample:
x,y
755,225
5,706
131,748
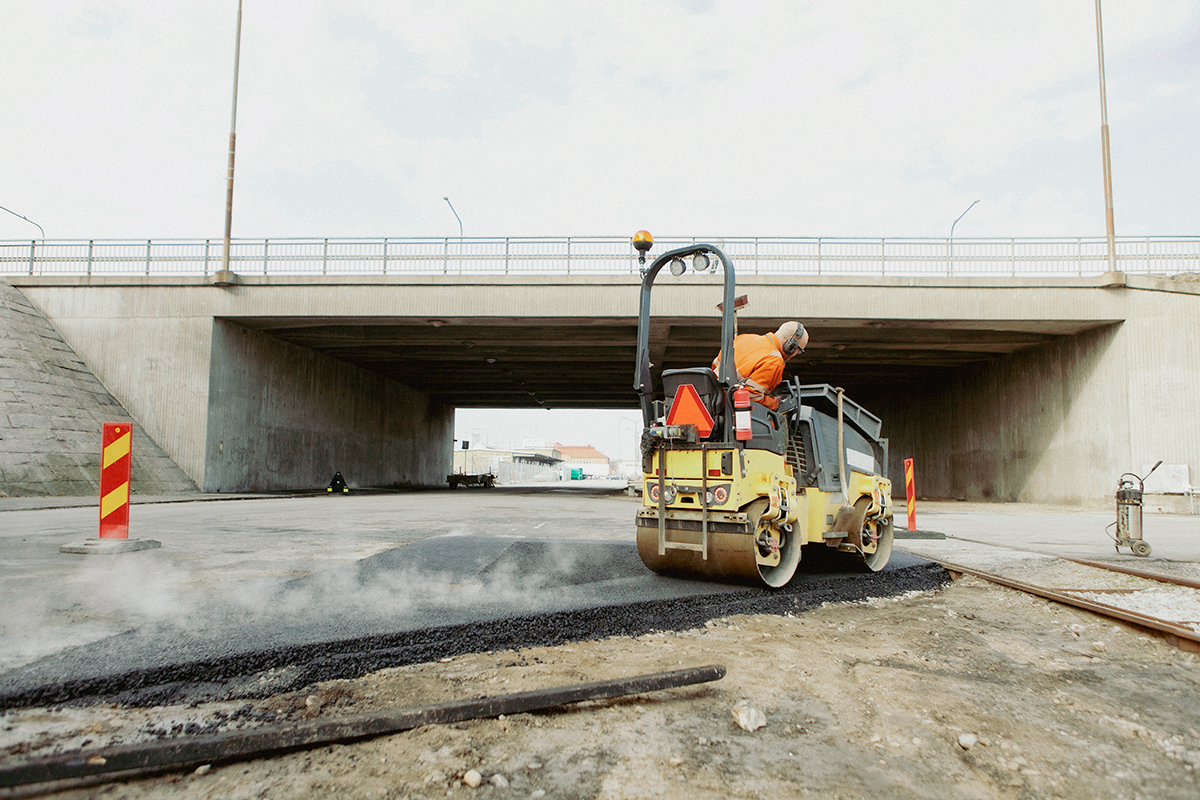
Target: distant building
x,y
509,466
586,459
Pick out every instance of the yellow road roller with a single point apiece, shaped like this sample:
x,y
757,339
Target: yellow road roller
x,y
734,491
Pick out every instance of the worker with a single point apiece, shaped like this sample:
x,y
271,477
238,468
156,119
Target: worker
x,y
759,359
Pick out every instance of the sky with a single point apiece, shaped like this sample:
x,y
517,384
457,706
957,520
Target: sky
x,y
693,117
721,118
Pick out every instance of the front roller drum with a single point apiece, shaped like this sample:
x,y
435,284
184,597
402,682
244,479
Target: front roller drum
x,y
734,554
877,553
870,540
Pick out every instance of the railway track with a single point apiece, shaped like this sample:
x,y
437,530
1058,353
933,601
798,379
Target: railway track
x,y
1164,603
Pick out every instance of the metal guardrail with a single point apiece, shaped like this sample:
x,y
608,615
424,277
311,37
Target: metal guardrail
x,y
1012,257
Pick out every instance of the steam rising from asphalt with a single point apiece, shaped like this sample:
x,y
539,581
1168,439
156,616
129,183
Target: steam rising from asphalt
x,y
393,592
110,595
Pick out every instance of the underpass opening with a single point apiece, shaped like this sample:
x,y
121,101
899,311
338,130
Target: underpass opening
x,y
978,402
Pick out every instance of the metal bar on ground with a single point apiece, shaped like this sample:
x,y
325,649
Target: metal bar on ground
x,y
1178,630
100,765
1135,571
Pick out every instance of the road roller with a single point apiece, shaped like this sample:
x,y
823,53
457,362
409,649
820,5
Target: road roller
x,y
734,491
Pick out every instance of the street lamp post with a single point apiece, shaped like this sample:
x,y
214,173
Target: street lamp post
x,y
27,219
950,242
32,243
1108,200
237,52
460,235
456,216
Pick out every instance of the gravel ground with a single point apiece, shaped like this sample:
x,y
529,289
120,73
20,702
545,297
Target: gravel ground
x,y
971,690
963,690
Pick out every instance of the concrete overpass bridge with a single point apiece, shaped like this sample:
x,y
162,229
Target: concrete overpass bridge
x,y
1001,387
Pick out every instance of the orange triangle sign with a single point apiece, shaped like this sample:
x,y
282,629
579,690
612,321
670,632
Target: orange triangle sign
x,y
689,410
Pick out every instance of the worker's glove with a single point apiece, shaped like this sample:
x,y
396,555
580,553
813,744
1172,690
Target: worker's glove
x,y
788,403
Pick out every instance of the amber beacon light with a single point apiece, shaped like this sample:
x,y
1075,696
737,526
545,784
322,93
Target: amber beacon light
x,y
642,242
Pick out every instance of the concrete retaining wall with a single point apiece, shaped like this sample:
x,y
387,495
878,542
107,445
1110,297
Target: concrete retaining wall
x,y
280,416
1059,423
51,412
1021,428
240,411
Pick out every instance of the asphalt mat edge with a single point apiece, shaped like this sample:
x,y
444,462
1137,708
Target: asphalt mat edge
x,y
254,674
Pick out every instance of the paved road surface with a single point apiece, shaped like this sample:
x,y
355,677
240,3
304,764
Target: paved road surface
x,y
242,590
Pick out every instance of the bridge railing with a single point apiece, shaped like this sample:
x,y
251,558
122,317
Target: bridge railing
x,y
1013,257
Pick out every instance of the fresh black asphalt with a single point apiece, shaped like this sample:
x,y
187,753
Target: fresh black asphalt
x,y
432,599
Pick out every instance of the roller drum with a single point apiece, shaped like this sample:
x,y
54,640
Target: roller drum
x,y
733,553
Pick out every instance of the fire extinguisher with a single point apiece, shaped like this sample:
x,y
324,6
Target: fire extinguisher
x,y
1129,513
741,413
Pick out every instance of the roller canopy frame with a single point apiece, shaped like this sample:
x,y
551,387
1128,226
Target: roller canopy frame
x,y
643,380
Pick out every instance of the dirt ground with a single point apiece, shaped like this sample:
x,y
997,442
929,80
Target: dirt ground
x,y
973,691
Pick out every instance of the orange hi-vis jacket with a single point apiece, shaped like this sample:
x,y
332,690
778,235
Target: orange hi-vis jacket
x,y
759,361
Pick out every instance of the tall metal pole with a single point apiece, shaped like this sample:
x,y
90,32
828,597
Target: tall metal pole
x,y
1108,200
456,216
950,241
237,52
960,216
27,219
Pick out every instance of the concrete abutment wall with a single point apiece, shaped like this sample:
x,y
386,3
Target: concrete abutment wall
x,y
1059,423
281,416
1026,427
52,409
238,410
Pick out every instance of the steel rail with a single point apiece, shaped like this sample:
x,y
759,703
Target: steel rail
x,y
1139,573
82,768
1182,636
1134,571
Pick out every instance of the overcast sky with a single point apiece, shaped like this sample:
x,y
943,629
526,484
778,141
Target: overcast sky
x,y
688,118
694,117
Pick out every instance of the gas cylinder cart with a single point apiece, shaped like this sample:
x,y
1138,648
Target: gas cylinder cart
x,y
1129,513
